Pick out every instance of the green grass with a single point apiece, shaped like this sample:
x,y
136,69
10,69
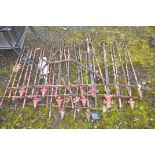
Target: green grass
x,y
143,116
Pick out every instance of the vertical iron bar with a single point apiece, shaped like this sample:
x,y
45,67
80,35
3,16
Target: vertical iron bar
x,y
17,61
29,77
123,69
115,69
106,68
136,79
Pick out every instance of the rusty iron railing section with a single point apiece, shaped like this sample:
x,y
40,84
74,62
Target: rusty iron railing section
x,y
76,77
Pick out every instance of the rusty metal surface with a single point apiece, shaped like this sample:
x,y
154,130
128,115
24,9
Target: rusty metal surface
x,y
73,77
